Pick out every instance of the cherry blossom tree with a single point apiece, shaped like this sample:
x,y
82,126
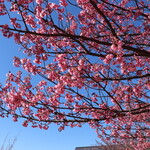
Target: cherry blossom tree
x,y
91,62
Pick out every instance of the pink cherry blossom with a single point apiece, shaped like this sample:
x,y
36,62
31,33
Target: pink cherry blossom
x,y
85,61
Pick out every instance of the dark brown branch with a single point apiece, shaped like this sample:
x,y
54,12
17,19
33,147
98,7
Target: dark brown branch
x,y
105,18
137,51
126,78
142,14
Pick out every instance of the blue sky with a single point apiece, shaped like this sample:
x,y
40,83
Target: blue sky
x,y
37,139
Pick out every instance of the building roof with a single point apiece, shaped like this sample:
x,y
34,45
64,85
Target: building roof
x,y
106,147
89,148
103,147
